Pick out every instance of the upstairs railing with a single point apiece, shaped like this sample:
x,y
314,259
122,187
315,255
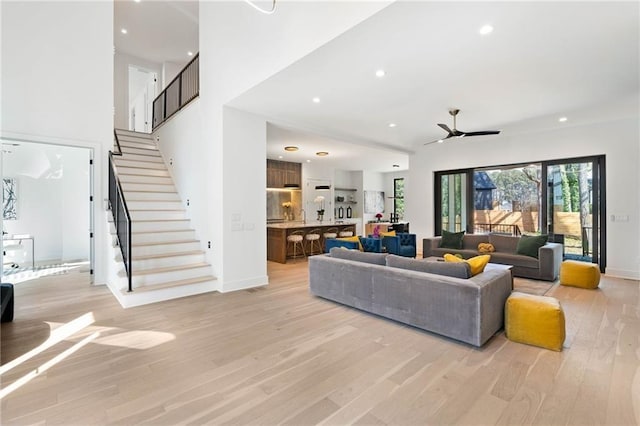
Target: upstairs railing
x,y
501,228
183,89
120,212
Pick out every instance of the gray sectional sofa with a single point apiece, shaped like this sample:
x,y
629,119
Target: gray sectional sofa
x,y
545,267
415,292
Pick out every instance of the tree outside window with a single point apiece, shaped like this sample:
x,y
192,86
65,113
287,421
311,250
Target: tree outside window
x,y
398,197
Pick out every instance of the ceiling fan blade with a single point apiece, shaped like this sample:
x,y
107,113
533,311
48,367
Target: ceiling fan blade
x,y
482,133
446,129
440,140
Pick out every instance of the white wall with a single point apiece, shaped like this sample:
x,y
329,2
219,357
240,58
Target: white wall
x,y
618,140
121,63
53,199
169,71
57,83
252,47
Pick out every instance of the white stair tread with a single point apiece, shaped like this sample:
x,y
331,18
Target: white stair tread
x,y
171,284
138,272
162,231
159,220
161,255
162,243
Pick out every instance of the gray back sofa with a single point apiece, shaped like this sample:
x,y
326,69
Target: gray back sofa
x,y
545,267
470,310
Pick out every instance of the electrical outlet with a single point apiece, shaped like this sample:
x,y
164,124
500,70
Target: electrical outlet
x,y
208,244
187,202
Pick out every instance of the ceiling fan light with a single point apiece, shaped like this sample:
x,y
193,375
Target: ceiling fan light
x,y
440,140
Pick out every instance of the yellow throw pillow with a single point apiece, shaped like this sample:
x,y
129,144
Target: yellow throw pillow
x,y
485,248
388,234
476,264
354,239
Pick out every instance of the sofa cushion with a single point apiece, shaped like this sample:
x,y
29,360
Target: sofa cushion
x,y
359,256
530,244
471,241
455,270
452,240
515,260
506,243
476,263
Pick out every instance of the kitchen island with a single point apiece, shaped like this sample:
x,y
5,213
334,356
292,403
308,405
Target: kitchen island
x,y
277,234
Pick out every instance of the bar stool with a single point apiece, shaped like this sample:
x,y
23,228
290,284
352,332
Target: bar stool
x,y
295,239
312,237
329,233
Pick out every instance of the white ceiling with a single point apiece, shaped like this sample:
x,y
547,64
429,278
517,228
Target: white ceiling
x,y
157,30
543,60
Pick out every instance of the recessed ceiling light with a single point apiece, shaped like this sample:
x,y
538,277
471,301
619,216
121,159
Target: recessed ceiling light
x,y
291,148
396,165
380,73
280,157
308,161
562,119
392,124
190,53
316,100
440,140
486,29
123,30
137,1
322,153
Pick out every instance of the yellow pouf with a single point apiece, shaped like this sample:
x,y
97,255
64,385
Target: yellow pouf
x,y
535,320
579,274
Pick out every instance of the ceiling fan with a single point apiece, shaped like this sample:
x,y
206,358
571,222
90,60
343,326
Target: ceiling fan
x,y
455,133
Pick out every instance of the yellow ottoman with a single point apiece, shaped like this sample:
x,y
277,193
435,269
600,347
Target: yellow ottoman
x,y
579,274
534,320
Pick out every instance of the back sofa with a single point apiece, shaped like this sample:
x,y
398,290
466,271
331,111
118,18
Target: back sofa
x,y
545,267
467,309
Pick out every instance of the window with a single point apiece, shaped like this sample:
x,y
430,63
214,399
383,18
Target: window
x,y
398,198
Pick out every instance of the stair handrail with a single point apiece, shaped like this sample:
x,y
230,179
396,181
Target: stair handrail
x,y
118,207
184,88
115,136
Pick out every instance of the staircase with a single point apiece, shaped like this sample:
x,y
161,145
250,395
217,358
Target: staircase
x,y
167,259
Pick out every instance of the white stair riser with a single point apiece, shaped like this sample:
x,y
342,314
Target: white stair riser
x,y
156,214
163,277
143,152
131,196
166,262
165,180
123,162
155,237
144,172
138,144
165,248
154,205
126,132
138,157
171,225
131,186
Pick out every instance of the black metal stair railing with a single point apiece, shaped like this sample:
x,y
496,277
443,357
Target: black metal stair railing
x,y
183,89
120,212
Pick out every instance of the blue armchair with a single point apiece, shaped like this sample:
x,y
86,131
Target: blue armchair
x,y
403,244
368,244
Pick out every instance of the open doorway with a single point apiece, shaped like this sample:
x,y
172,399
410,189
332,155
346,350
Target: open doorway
x,y
142,92
47,222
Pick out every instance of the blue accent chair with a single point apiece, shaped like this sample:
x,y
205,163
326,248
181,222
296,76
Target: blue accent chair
x,y
373,245
403,244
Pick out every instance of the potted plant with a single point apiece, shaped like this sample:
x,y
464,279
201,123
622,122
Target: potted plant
x,y
320,201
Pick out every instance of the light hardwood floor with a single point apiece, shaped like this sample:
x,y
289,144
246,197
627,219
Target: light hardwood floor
x,y
277,355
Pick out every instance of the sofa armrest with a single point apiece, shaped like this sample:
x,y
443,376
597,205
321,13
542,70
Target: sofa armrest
x,y
550,258
428,244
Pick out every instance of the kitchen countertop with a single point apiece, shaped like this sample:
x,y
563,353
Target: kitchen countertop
x,y
309,224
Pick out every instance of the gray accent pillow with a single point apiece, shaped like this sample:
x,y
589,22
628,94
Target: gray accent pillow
x,y
449,269
358,256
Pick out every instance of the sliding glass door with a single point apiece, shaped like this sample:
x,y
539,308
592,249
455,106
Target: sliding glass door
x,y
575,207
452,205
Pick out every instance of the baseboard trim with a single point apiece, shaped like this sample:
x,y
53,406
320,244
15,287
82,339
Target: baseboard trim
x,y
228,286
622,273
